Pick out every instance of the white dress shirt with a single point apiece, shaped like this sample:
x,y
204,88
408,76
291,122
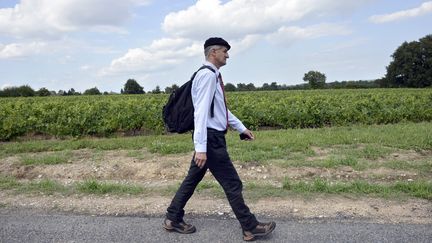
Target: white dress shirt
x,y
205,85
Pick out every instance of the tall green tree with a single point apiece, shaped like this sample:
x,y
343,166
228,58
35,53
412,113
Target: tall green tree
x,y
9,92
72,92
157,90
411,65
169,90
132,87
92,91
315,79
26,90
274,86
241,87
265,86
43,92
23,91
250,87
229,87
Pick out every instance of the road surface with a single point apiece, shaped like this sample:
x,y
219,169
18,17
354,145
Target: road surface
x,y
25,225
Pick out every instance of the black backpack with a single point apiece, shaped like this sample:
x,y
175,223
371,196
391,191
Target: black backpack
x,y
178,113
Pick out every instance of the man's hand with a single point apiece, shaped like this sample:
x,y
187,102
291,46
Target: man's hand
x,y
249,134
200,159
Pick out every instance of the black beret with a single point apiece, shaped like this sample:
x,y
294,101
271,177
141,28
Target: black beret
x,y
216,41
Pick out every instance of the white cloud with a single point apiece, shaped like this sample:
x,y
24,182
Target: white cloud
x,y
245,43
238,18
423,9
49,19
287,35
169,43
16,50
161,53
167,52
241,22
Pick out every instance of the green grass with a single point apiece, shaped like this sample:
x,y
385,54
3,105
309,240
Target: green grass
x,y
206,184
96,187
369,151
331,161
44,186
336,161
253,190
47,186
274,144
136,154
420,189
256,190
278,144
163,144
422,166
375,151
50,159
8,182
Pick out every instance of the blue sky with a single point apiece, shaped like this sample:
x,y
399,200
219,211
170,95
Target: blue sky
x,y
82,44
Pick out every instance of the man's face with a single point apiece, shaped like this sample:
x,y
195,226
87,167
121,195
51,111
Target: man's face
x,y
221,55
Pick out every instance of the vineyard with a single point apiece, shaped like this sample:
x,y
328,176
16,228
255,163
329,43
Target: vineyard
x,y
105,115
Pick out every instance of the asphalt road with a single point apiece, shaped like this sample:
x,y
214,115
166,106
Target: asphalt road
x,y
23,225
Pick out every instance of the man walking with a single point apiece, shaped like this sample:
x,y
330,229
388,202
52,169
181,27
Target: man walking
x,y
211,121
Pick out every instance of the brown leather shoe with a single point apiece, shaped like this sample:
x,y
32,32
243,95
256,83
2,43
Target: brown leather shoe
x,y
262,229
181,227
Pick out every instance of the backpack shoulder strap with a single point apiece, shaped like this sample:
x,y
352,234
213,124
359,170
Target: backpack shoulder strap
x,y
201,68
193,77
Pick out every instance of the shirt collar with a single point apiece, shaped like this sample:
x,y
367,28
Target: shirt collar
x,y
207,63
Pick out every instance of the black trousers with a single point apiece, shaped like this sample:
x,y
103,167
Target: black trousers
x,y
220,165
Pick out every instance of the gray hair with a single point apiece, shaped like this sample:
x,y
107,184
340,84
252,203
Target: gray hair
x,y
209,49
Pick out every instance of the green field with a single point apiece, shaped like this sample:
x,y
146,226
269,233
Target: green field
x,y
141,114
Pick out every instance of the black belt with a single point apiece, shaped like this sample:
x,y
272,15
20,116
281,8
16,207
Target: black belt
x,y
216,131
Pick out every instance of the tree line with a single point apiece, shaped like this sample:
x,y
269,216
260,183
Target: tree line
x,y
135,88
411,67
27,91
